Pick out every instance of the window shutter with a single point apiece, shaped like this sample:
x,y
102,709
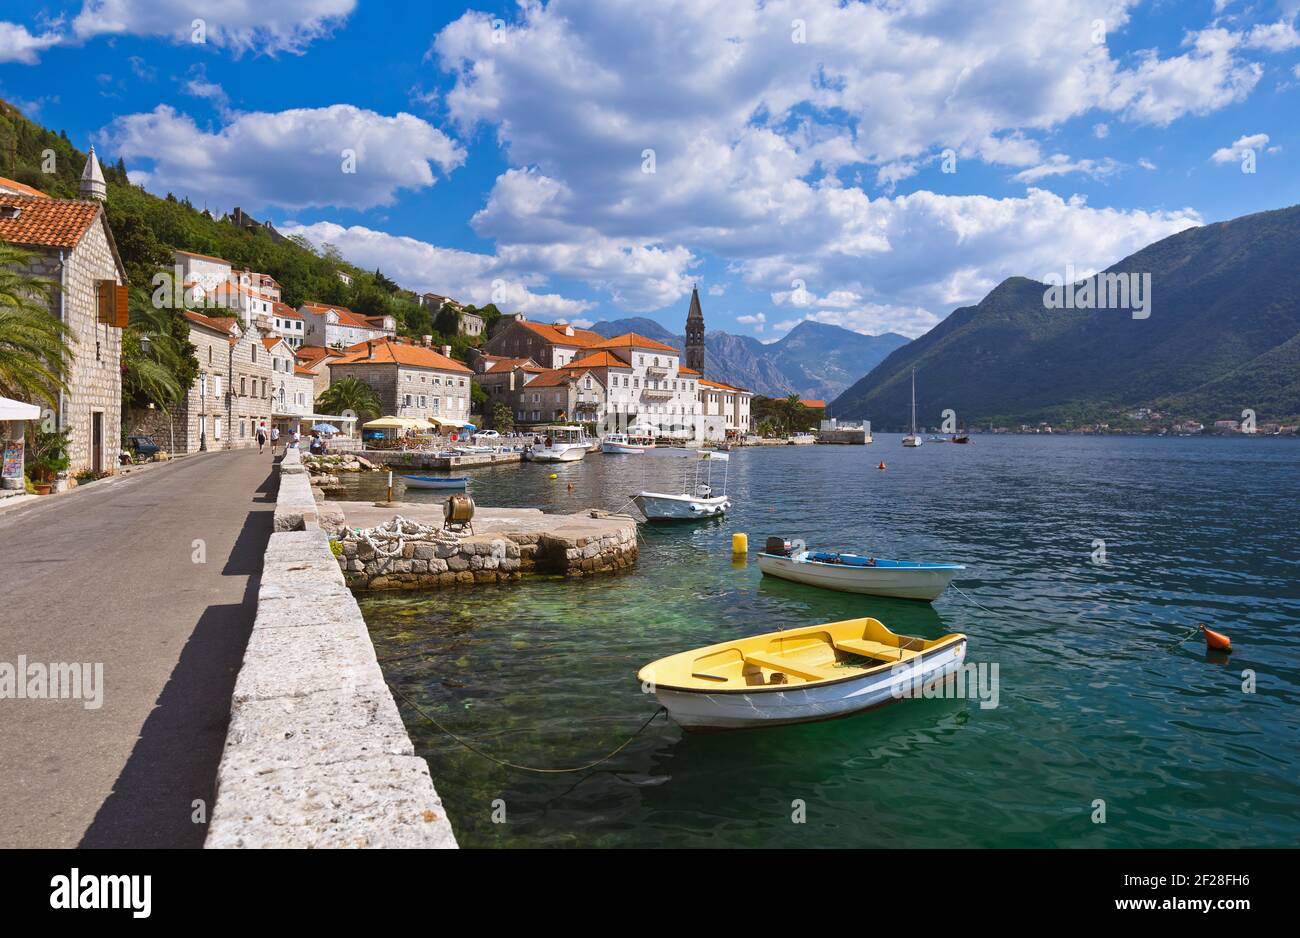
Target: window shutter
x,y
104,307
120,307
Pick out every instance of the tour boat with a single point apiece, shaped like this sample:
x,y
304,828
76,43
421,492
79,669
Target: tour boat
x,y
912,439
435,482
562,444
619,445
850,573
695,501
800,675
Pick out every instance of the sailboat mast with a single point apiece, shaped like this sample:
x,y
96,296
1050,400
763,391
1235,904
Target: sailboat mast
x,y
913,402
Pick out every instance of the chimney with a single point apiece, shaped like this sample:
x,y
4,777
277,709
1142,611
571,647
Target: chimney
x,y
446,350
426,341
370,349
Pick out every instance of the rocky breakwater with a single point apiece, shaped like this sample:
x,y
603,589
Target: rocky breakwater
x,y
324,470
404,546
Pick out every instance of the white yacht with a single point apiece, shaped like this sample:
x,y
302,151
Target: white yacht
x,y
559,444
695,501
618,444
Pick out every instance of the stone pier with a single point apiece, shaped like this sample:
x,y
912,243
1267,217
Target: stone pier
x,y
506,543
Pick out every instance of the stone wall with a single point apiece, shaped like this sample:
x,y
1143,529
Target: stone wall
x,y
316,754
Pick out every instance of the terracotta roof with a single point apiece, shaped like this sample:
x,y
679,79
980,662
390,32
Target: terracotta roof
x,y
56,223
19,188
271,341
204,257
216,323
581,338
557,376
394,353
632,340
598,360
503,365
315,353
346,316
724,387
814,403
683,370
284,310
306,372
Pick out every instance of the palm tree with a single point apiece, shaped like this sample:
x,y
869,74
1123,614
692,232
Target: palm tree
x,y
35,347
153,355
349,394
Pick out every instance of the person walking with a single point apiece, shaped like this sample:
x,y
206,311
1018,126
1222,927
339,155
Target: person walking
x,y
261,436
297,438
275,438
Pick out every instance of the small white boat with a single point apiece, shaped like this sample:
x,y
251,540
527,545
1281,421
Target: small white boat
x,y
561,444
619,445
801,675
851,573
435,482
912,439
695,501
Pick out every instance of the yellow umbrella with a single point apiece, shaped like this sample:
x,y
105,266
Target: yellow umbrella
x,y
388,423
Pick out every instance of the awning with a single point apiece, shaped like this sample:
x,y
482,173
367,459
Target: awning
x,y
389,423
447,422
18,410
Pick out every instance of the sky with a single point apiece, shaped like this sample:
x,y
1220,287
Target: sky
x,y
871,165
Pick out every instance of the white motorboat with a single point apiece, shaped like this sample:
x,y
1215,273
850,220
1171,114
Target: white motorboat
x,y
912,439
851,573
559,444
618,444
695,501
800,675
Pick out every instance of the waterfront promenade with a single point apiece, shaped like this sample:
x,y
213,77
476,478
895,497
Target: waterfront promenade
x,y
108,575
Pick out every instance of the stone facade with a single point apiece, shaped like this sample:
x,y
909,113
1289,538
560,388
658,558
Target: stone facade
x,y
410,381
91,408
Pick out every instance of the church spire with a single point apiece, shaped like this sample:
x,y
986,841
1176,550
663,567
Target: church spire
x,y
92,180
695,332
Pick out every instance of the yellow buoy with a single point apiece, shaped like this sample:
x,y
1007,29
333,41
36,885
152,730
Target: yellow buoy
x,y
740,543
554,475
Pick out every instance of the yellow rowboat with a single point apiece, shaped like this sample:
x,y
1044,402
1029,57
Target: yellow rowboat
x,y
818,672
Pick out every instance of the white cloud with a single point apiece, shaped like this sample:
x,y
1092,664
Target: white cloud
x,y
293,159
1145,163
757,320
745,124
19,45
1101,131
241,26
417,265
1059,165
1234,153
1273,37
717,289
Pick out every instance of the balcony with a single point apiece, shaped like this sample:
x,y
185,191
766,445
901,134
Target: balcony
x,y
658,394
658,371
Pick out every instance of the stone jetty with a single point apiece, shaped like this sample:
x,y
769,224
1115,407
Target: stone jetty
x,y
506,543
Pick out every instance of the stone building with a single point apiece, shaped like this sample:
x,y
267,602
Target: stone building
x,y
339,327
561,395
551,345
292,394
411,381
695,333
74,248
315,361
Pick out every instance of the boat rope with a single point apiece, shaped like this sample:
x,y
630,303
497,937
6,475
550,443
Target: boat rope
x,y
527,768
1181,641
971,599
394,535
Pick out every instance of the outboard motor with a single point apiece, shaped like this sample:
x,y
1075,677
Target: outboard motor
x,y
778,546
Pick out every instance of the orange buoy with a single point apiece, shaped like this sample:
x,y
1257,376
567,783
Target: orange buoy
x,y
1216,641
881,466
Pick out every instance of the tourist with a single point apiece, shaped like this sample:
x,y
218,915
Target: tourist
x,y
261,436
275,438
297,438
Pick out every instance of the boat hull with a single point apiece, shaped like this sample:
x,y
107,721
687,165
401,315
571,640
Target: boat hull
x,y
622,449
569,454
426,482
701,711
925,583
661,507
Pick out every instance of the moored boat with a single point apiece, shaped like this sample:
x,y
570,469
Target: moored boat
x,y
800,675
435,482
560,444
851,573
912,439
695,501
618,444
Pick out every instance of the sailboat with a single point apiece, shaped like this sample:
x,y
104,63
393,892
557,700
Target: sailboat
x,y
912,439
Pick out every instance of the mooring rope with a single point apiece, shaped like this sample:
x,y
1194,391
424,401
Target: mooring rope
x,y
527,768
397,532
971,599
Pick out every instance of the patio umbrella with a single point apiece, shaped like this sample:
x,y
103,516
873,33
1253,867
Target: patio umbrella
x,y
324,428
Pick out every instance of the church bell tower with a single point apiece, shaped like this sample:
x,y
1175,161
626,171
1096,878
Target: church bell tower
x,y
695,333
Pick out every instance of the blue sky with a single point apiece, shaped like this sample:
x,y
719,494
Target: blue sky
x,y
799,148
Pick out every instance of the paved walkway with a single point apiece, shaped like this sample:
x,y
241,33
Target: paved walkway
x,y
107,575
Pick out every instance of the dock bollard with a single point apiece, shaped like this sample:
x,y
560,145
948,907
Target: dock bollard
x,y
740,543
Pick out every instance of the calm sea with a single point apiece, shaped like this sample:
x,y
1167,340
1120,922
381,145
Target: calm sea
x,y
1098,707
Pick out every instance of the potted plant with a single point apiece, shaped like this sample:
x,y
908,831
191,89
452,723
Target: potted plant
x,y
48,457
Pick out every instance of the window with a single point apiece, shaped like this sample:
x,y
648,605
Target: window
x,y
406,400
423,401
216,428
216,392
243,386
241,427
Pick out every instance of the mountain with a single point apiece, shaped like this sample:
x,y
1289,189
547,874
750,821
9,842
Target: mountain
x,y
1221,336
813,360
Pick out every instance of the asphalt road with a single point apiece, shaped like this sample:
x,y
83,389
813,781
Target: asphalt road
x,y
108,575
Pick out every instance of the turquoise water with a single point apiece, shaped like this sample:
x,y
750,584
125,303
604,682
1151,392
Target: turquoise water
x,y
1095,703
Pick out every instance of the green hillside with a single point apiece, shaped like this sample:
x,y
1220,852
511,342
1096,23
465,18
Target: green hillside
x,y
1220,338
